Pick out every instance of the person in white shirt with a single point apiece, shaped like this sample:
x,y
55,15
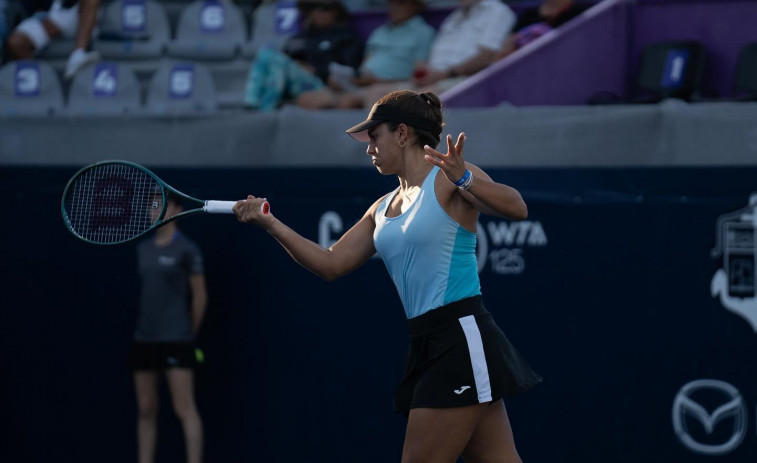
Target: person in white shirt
x,y
468,41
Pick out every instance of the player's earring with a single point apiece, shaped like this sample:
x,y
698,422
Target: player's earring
x,y
403,143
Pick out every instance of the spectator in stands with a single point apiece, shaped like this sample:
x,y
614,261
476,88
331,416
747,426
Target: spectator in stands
x,y
74,19
326,37
535,22
468,40
393,50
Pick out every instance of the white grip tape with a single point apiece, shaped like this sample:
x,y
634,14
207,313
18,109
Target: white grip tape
x,y
219,207
225,207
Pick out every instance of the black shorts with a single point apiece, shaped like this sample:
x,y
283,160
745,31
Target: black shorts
x,y
161,355
458,356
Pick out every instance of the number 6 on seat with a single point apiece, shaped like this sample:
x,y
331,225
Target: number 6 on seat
x,y
113,202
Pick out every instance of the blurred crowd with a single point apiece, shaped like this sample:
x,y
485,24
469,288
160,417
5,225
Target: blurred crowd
x,y
315,57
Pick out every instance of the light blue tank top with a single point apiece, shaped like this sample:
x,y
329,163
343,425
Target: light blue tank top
x,y
430,257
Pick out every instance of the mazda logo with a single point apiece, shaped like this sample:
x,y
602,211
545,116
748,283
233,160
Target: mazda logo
x,y
686,408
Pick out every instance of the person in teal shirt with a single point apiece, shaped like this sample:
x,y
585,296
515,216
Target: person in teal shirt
x,y
394,49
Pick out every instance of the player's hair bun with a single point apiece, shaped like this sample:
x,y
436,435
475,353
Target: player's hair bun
x,y
431,99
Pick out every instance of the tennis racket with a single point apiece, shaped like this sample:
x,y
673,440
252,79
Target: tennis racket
x,y
113,202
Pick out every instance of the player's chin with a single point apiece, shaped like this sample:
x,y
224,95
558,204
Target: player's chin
x,y
383,171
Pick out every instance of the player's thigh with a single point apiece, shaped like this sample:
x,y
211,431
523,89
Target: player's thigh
x,y
439,435
492,440
31,35
181,385
146,388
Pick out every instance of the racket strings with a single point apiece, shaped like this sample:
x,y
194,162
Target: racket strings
x,y
111,203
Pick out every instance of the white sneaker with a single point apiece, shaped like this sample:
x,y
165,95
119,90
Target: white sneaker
x,y
78,59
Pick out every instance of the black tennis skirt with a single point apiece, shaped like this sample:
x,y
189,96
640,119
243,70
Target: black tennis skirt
x,y
458,356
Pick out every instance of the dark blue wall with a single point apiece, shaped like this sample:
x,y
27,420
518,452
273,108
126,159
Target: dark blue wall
x,y
605,290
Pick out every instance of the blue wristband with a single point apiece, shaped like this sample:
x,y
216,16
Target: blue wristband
x,y
463,179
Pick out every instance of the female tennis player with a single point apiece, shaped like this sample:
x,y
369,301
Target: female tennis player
x,y
459,365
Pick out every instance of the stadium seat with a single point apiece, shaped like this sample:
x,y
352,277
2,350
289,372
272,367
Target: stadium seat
x,y
107,87
29,87
272,23
230,78
745,76
670,70
209,30
182,87
665,70
133,29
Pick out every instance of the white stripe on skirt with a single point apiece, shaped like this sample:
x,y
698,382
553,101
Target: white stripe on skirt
x,y
477,358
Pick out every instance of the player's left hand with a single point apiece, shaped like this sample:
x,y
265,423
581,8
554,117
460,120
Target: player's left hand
x,y
452,163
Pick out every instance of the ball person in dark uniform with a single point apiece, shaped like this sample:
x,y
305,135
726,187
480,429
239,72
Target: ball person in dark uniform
x,y
172,306
460,365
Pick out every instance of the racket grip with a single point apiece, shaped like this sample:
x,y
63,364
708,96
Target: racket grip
x,y
219,207
225,207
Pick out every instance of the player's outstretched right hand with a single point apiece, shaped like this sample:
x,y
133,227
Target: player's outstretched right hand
x,y
254,211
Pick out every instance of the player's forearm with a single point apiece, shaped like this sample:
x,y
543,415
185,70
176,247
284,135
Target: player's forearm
x,y
199,305
198,314
304,251
498,199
